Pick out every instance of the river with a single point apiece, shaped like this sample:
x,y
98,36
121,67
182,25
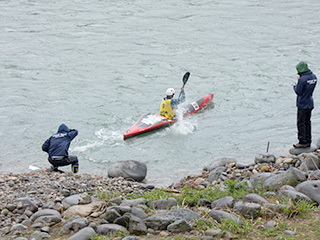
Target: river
x,y
98,65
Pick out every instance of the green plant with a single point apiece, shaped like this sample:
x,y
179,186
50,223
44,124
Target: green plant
x,y
203,224
242,227
103,195
300,208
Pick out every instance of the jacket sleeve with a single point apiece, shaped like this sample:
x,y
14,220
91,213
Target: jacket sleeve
x,y
46,145
299,88
176,101
72,133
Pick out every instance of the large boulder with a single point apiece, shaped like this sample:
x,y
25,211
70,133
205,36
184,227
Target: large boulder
x,y
311,189
221,162
129,169
311,162
163,218
298,151
291,177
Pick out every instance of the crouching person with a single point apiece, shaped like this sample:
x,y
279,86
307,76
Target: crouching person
x,y
57,147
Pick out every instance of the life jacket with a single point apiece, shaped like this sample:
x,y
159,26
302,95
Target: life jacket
x,y
166,109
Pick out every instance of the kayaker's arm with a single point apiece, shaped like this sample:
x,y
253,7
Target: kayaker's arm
x,y
176,101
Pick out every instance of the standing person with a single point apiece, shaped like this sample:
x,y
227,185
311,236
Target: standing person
x,y
169,103
307,81
57,147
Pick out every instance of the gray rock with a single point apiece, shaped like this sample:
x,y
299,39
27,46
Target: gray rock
x,y
74,225
116,200
293,195
70,201
265,158
84,198
298,151
257,179
220,215
137,226
46,215
129,169
223,203
314,175
288,232
130,238
133,202
84,234
202,202
275,207
179,226
164,204
162,219
221,162
45,229
291,177
28,203
213,232
123,220
311,189
248,210
39,235
215,174
18,227
311,162
111,215
271,224
138,212
121,209
254,198
108,229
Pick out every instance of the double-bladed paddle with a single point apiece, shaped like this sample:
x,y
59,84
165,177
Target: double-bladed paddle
x,y
184,80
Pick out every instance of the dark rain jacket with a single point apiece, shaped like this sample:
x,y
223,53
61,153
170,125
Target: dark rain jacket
x,y
304,90
58,144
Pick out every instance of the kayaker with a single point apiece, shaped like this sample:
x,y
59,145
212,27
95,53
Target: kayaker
x,y
307,81
57,147
169,103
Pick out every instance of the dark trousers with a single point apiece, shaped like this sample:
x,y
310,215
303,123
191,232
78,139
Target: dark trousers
x,y
73,160
304,125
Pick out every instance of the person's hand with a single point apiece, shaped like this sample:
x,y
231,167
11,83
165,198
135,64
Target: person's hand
x,y
293,84
182,88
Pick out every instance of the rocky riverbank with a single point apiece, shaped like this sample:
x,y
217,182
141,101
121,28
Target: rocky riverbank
x,y
43,204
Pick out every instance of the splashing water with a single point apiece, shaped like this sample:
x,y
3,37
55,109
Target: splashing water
x,y
183,126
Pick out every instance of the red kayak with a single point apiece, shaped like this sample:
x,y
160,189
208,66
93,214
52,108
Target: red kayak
x,y
149,122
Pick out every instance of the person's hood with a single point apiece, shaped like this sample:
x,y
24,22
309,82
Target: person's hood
x,y
63,129
302,67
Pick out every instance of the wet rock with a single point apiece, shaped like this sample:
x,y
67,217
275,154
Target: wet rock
x,y
130,169
221,162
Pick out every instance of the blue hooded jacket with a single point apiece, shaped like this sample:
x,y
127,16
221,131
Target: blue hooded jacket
x,y
58,144
304,90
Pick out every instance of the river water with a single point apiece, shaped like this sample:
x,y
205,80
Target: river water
x,y
98,65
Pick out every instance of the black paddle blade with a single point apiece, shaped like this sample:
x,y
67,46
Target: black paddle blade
x,y
185,78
